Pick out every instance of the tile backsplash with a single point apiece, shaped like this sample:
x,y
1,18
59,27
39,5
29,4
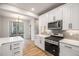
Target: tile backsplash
x,y
71,34
56,31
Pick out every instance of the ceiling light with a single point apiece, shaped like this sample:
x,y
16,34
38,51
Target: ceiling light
x,y
33,9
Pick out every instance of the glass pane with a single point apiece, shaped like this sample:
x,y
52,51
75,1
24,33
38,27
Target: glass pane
x,y
16,29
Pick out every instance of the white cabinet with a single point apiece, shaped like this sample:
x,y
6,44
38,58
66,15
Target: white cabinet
x,y
6,49
59,15
55,14
66,16
68,50
69,13
52,16
75,15
40,42
43,22
12,48
37,41
70,16
17,48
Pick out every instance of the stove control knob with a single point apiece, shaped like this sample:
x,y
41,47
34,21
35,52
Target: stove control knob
x,y
53,50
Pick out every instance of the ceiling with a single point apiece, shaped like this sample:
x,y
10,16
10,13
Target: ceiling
x,y
24,10
40,8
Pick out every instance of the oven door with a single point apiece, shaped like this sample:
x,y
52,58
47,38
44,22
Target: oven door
x,y
51,48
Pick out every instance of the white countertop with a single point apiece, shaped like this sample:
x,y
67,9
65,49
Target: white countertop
x,y
43,35
70,41
10,39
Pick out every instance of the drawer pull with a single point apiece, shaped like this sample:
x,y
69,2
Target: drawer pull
x,y
17,52
17,48
17,44
68,47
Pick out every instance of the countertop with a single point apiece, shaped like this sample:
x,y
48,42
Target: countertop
x,y
10,39
41,35
70,41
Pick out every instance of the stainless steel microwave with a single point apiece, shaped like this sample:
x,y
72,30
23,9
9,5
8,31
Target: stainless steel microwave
x,y
55,25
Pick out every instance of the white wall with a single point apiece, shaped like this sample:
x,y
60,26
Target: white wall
x,y
27,29
32,29
4,27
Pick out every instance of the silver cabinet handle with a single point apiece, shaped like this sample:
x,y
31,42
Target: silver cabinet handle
x,y
17,48
17,52
40,41
54,18
70,25
17,44
68,47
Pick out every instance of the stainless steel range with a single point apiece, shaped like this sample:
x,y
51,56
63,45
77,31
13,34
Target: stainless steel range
x,y
52,44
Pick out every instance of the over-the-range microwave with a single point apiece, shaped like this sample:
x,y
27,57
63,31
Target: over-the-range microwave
x,y
55,25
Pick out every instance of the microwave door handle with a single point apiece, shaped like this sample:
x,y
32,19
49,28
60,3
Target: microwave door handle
x,y
57,24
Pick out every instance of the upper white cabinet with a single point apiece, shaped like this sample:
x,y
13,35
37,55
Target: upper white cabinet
x,y
52,15
59,15
69,13
55,14
43,22
66,16
70,16
74,15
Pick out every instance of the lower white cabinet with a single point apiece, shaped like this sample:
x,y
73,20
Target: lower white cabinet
x,y
40,42
12,48
68,50
6,49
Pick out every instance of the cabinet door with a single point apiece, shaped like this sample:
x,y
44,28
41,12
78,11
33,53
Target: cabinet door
x,y
59,15
42,43
68,50
75,16
0,50
17,48
36,41
40,23
52,15
64,51
66,16
43,22
6,49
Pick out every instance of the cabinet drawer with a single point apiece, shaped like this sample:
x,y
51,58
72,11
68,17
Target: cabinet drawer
x,y
17,53
16,44
16,48
75,49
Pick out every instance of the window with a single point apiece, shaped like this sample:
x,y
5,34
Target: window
x,y
16,29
